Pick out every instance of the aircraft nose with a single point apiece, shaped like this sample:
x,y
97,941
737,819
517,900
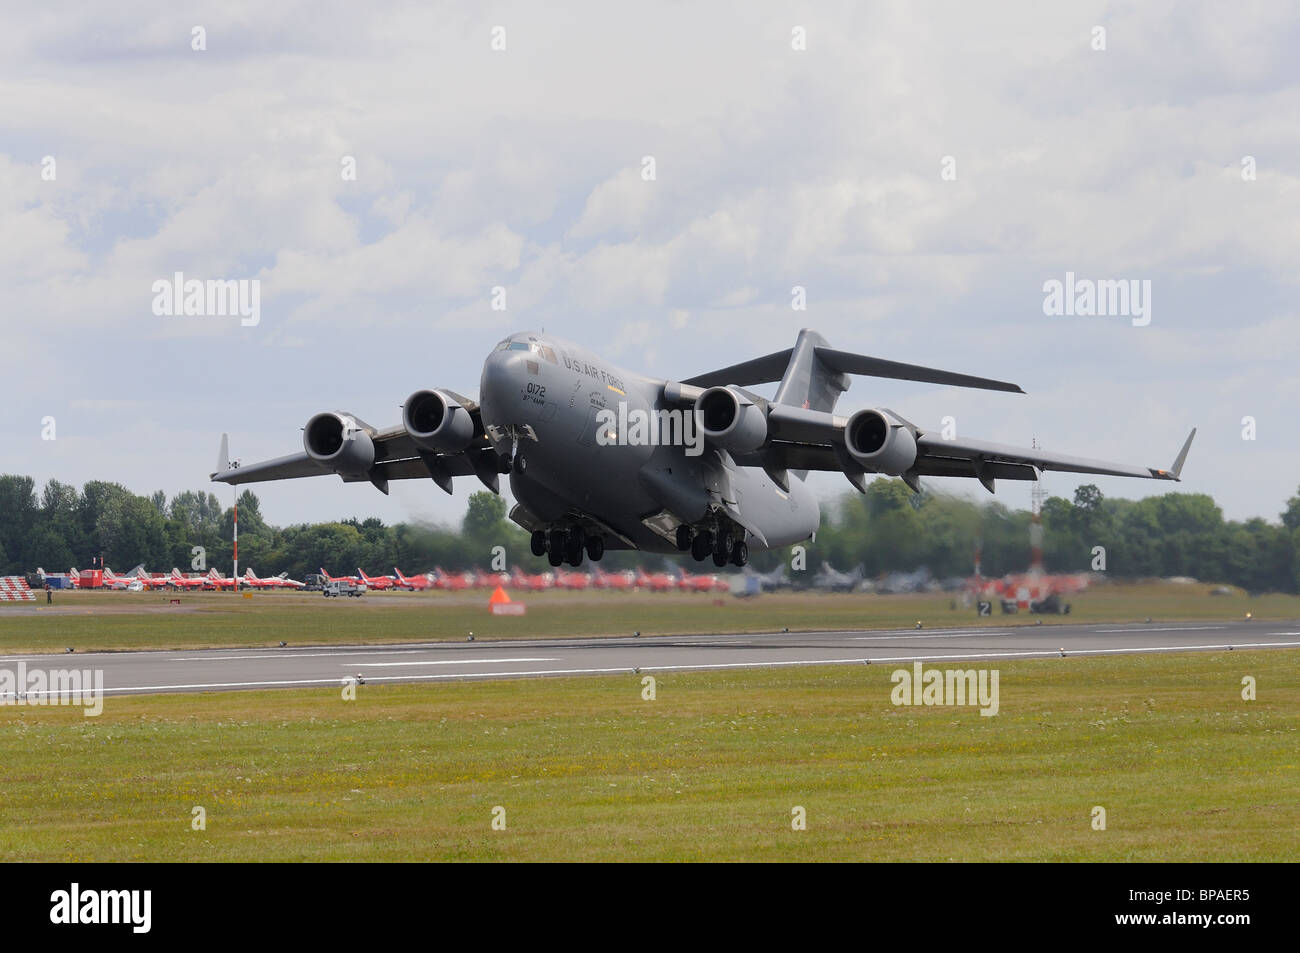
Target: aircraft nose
x,y
498,387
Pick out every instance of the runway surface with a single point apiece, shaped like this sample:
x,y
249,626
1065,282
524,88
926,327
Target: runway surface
x,y
305,665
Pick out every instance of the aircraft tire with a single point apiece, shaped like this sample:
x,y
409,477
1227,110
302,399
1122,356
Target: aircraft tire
x,y
702,545
538,543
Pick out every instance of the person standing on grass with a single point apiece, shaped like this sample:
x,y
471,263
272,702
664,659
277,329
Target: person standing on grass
x,y
49,594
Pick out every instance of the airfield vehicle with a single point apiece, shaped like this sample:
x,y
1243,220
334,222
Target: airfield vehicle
x,y
342,587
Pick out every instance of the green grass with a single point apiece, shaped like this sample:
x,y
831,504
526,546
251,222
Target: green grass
x,y
710,770
123,620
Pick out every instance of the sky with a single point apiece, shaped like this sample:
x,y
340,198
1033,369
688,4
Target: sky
x,y
922,171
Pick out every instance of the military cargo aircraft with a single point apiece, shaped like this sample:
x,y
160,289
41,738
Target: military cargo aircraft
x,y
601,458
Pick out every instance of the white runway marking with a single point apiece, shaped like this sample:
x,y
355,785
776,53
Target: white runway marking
x,y
926,635
458,661
1168,628
273,654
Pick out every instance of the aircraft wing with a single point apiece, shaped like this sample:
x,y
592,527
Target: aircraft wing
x,y
396,457
801,439
935,456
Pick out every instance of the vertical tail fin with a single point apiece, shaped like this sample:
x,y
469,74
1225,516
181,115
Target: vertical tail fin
x,y
807,382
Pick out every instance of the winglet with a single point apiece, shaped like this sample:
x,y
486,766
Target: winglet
x,y
1174,472
223,455
1177,468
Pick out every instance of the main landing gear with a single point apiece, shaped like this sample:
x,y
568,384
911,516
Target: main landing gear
x,y
561,546
723,542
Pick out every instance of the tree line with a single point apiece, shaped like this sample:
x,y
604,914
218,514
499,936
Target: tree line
x,y
887,529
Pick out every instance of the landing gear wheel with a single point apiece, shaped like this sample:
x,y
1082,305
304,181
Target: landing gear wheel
x,y
720,559
554,557
726,542
595,548
520,465
573,552
555,543
702,545
538,543
683,538
740,553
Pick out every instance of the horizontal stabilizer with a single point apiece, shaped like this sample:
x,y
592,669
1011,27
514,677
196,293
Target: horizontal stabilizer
x,y
772,367
844,362
761,370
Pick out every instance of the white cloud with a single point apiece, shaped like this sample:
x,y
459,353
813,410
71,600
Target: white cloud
x,y
774,168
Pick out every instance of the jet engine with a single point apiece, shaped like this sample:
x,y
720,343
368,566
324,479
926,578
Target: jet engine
x,y
880,441
730,420
338,442
437,422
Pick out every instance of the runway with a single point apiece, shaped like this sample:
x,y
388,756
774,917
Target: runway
x,y
315,665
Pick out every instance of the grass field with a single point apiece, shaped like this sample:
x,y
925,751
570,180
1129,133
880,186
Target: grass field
x,y
709,770
122,620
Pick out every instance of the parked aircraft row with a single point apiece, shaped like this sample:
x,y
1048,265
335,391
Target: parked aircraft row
x,y
138,579
518,579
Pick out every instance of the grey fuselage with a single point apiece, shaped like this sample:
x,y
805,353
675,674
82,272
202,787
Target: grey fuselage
x,y
542,400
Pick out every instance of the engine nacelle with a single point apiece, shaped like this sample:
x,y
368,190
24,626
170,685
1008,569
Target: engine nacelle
x,y
437,422
730,420
880,441
338,442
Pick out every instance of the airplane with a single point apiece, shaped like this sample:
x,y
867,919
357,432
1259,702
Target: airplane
x,y
281,581
455,581
701,583
489,580
572,580
531,582
832,580
621,580
179,580
421,581
917,580
377,582
137,575
251,581
778,578
599,457
215,580
655,582
328,578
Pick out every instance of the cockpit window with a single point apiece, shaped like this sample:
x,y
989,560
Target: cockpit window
x,y
546,352
519,346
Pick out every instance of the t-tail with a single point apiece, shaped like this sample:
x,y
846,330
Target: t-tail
x,y
808,382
